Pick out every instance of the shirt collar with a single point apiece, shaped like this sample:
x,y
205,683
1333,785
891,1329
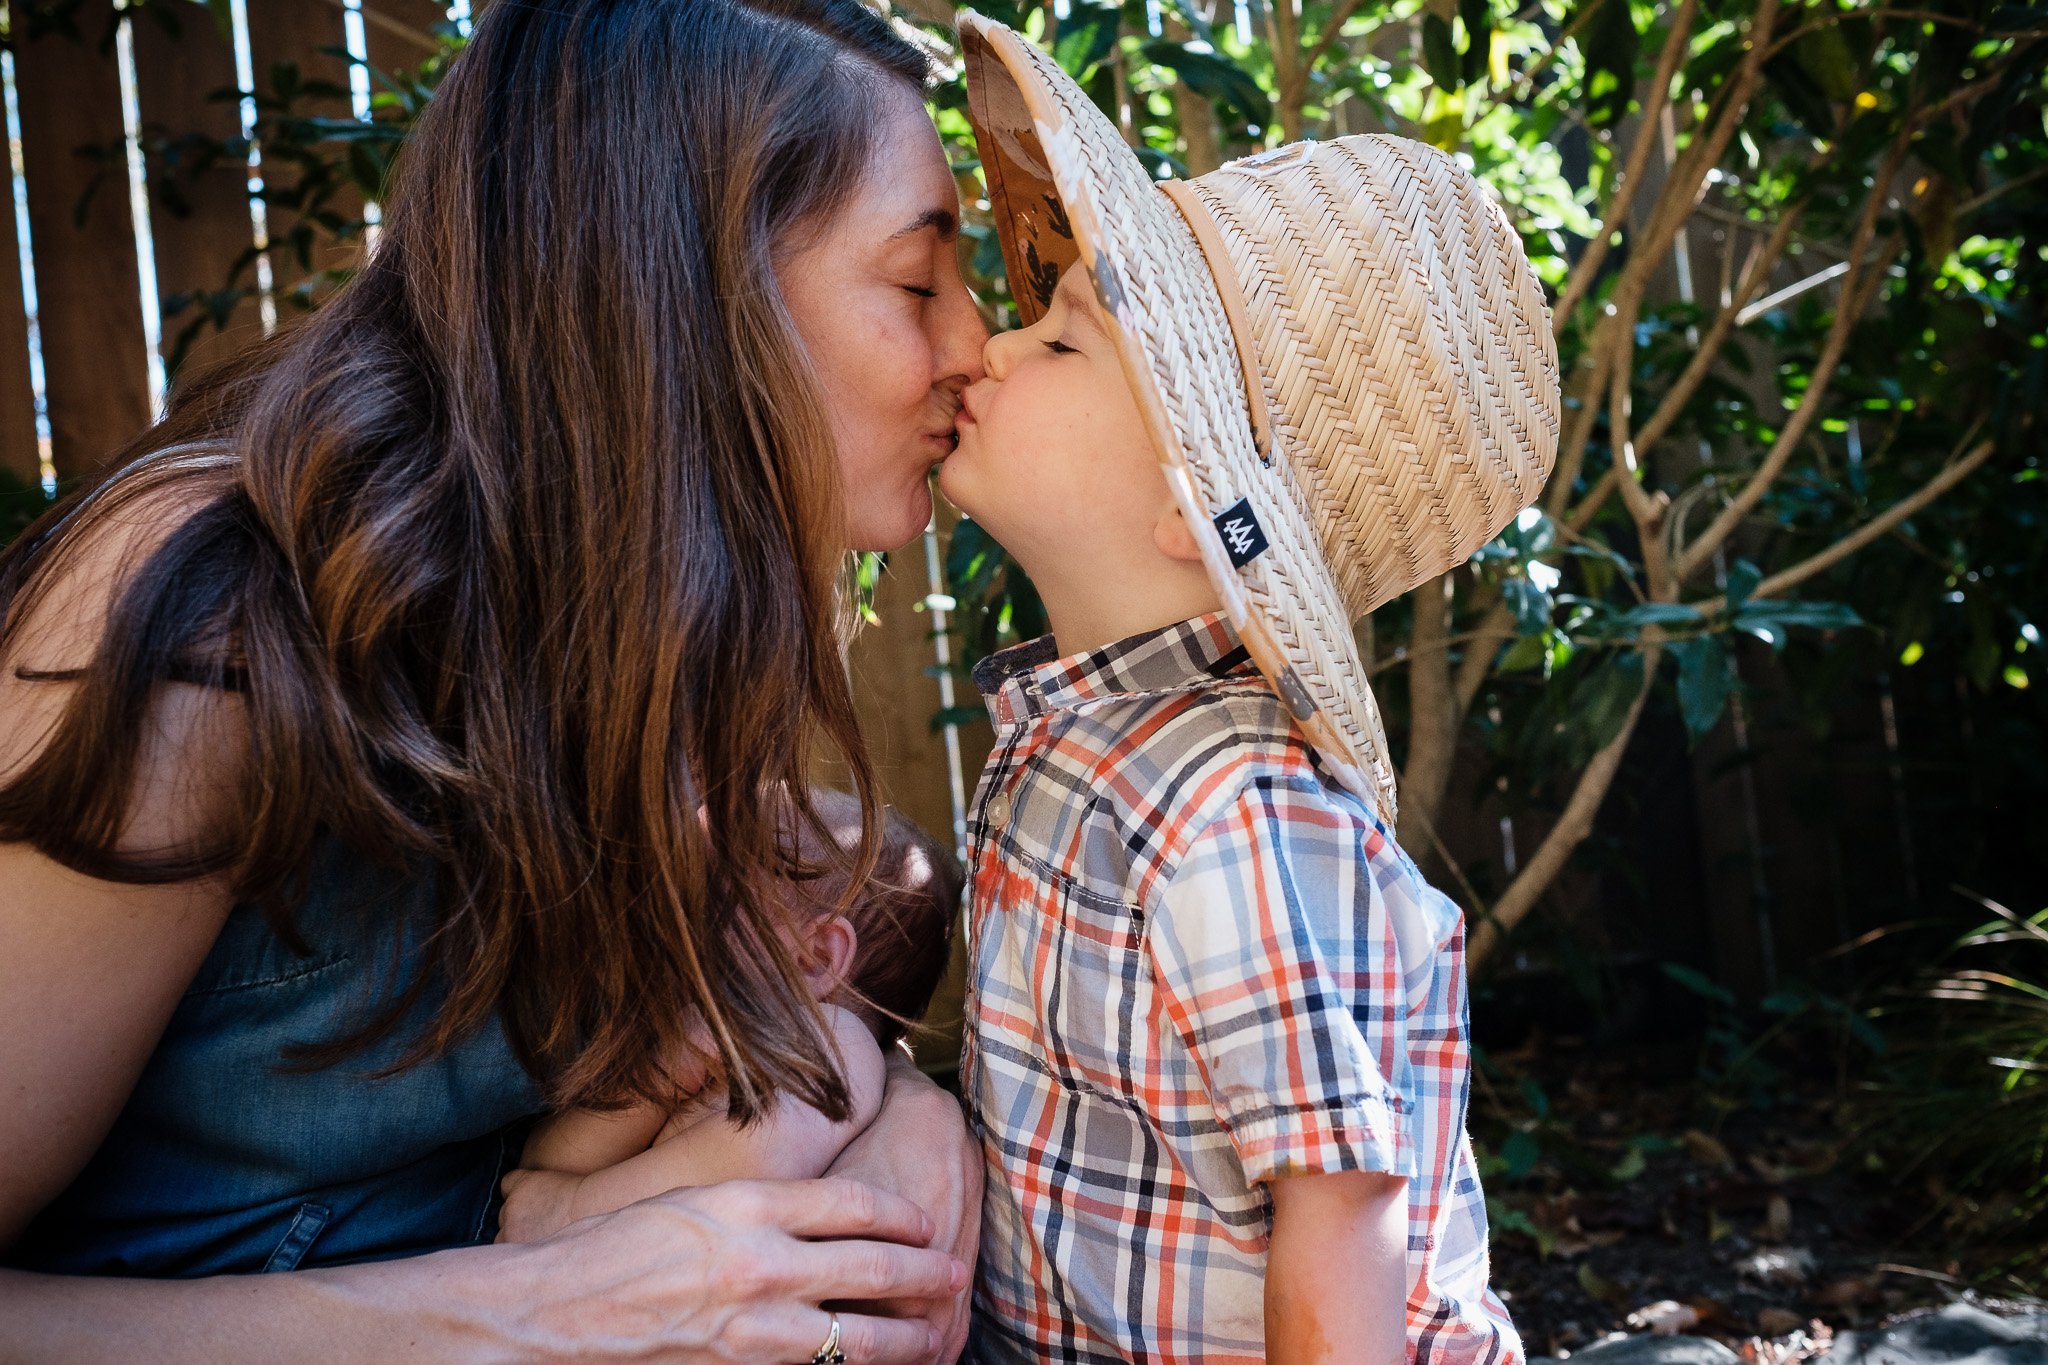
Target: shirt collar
x,y
1031,679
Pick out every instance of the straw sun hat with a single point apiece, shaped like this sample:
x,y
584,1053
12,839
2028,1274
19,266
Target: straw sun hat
x,y
1339,349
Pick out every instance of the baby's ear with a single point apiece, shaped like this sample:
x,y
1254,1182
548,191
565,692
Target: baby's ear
x,y
1173,536
828,954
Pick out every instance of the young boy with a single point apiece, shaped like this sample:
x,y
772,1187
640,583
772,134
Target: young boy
x,y
1218,1059
872,966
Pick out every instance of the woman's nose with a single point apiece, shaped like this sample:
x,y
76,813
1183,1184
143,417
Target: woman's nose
x,y
961,334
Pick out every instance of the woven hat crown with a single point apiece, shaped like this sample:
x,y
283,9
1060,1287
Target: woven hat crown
x,y
1339,350
1403,346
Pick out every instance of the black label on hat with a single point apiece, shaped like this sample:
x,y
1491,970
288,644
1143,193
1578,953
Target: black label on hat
x,y
1243,538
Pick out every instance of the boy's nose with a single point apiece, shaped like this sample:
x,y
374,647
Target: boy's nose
x,y
1000,353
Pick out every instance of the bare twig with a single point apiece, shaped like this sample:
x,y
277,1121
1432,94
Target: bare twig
x,y
1578,421
1641,507
1574,823
1950,475
1526,83
1702,360
396,28
1858,288
1826,20
1328,37
1614,217
1976,202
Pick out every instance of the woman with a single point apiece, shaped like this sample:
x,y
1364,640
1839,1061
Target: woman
x,y
407,711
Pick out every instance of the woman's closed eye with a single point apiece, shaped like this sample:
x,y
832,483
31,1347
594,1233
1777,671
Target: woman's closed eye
x,y
922,291
1061,348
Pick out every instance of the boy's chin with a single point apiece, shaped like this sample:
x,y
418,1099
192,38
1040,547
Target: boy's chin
x,y
957,483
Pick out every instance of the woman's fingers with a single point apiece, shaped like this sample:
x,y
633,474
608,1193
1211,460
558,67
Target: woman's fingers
x,y
869,1341
827,1208
872,1271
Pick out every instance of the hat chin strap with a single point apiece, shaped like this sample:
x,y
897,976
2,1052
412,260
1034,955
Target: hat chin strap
x,y
1202,223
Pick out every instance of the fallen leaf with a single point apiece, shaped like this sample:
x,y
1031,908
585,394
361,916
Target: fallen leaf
x,y
1789,1266
1579,1245
1778,1322
1666,1317
1600,1287
1718,1317
1853,1292
1777,1224
1706,1150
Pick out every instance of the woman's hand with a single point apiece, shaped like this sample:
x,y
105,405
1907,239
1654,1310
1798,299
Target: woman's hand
x,y
918,1147
728,1273
735,1272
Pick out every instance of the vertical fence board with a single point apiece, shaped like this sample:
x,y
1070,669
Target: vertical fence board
x,y
308,34
176,73
18,454
95,362
391,51
895,699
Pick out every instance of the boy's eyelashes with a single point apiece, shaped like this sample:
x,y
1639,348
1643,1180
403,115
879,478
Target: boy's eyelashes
x,y
1058,347
922,291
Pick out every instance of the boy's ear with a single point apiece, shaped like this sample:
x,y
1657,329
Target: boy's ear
x,y
828,954
1173,537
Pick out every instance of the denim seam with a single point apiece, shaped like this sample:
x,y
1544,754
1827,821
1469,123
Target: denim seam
x,y
299,974
483,1213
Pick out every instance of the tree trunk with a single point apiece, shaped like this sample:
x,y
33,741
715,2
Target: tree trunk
x,y
1432,720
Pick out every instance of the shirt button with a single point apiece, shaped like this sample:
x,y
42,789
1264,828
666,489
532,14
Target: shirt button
x,y
997,812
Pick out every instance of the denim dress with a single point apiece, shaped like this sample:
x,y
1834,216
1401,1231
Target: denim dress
x,y
227,1160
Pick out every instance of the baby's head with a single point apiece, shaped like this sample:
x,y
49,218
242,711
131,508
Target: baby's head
x,y
1054,459
882,954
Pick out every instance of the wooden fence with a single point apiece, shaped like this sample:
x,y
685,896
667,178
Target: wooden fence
x,y
99,380
81,360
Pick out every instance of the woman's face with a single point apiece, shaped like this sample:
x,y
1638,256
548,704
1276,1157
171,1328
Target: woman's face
x,y
892,332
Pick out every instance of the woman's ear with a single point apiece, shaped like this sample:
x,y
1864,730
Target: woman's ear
x,y
1173,536
828,954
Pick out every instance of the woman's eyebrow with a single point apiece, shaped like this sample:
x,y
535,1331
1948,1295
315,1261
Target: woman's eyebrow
x,y
945,220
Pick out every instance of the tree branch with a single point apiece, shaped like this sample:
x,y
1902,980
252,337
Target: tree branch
x,y
1950,475
1614,218
1857,291
1574,823
1695,372
1328,37
1433,719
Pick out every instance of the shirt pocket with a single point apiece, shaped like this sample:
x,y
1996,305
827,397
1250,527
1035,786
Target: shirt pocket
x,y
1091,987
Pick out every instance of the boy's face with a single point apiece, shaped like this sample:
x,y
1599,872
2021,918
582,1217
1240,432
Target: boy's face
x,y
1053,456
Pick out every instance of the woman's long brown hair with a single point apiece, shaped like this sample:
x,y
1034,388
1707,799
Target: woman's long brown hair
x,y
524,553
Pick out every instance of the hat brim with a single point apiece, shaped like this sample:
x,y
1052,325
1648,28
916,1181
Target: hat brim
x,y
1064,187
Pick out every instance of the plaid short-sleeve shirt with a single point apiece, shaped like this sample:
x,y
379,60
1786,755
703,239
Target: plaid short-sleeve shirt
x,y
1198,963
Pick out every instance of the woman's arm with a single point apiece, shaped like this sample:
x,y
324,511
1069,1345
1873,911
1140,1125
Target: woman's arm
x,y
733,1273
1337,1269
90,971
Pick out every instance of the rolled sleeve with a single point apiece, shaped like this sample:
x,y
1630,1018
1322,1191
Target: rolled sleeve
x,y
1275,963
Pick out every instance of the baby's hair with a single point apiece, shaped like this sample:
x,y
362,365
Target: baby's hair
x,y
902,917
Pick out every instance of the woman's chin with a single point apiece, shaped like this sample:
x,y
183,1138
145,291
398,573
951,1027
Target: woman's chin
x,y
891,528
